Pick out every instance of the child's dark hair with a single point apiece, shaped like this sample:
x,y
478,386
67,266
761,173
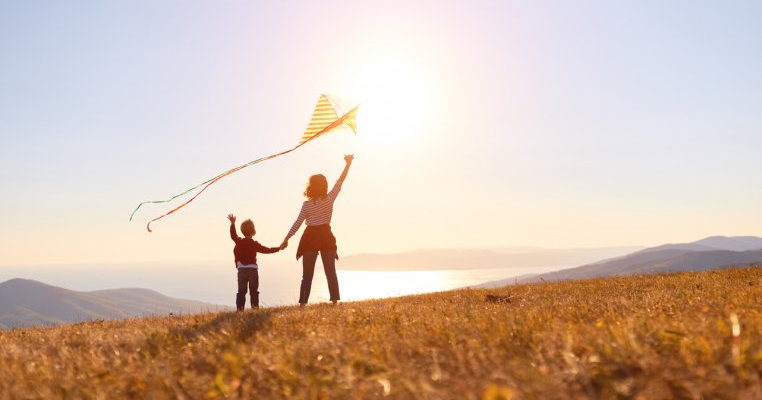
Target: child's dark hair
x,y
247,228
317,187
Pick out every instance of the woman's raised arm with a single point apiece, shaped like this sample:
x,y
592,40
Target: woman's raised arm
x,y
337,186
348,159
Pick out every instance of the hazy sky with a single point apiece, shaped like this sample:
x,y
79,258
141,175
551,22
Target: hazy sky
x,y
483,124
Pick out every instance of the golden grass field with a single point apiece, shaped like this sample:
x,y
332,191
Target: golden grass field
x,y
684,336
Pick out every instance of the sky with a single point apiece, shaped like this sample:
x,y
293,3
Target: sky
x,y
483,124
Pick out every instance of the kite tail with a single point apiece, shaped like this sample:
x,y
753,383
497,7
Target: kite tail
x,y
148,226
171,198
207,184
347,118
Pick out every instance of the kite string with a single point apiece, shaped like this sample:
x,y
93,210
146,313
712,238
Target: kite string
x,y
171,198
217,178
204,183
209,182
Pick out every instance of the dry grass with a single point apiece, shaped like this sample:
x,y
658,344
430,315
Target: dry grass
x,y
689,335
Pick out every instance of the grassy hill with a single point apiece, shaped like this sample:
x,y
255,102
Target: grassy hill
x,y
687,335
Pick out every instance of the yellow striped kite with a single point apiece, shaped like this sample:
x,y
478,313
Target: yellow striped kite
x,y
327,117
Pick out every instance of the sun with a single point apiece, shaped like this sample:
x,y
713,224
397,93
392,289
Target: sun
x,y
395,100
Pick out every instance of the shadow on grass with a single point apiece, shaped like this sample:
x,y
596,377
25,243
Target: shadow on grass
x,y
235,324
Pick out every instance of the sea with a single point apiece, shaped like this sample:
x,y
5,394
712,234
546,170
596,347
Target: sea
x,y
279,285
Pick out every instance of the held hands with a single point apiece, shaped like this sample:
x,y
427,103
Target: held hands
x,y
348,158
231,218
284,245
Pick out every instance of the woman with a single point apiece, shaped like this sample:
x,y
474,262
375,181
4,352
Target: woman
x,y
317,237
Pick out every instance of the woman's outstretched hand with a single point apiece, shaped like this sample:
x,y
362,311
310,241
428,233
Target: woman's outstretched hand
x,y
348,158
231,218
284,244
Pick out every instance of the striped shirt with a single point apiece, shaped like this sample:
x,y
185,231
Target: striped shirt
x,y
318,211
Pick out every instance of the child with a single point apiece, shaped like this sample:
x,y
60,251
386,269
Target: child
x,y
245,252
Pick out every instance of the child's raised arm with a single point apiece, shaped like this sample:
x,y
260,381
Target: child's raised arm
x,y
233,233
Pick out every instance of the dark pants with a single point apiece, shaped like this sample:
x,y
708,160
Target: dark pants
x,y
247,277
308,270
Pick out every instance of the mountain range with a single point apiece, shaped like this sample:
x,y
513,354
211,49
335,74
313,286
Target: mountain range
x,y
710,253
26,302
441,259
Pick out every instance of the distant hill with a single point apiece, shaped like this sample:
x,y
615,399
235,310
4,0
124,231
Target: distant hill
x,y
26,302
701,261
480,259
710,253
736,243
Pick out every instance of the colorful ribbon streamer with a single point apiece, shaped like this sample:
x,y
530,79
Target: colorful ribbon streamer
x,y
320,123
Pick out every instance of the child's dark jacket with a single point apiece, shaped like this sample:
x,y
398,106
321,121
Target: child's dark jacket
x,y
246,249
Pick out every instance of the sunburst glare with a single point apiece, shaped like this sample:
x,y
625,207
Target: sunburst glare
x,y
396,100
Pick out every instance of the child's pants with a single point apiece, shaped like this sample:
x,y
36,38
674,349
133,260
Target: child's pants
x,y
308,270
247,277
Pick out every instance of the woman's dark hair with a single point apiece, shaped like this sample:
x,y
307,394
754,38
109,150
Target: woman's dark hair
x,y
317,187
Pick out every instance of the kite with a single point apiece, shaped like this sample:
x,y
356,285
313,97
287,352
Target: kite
x,y
327,117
